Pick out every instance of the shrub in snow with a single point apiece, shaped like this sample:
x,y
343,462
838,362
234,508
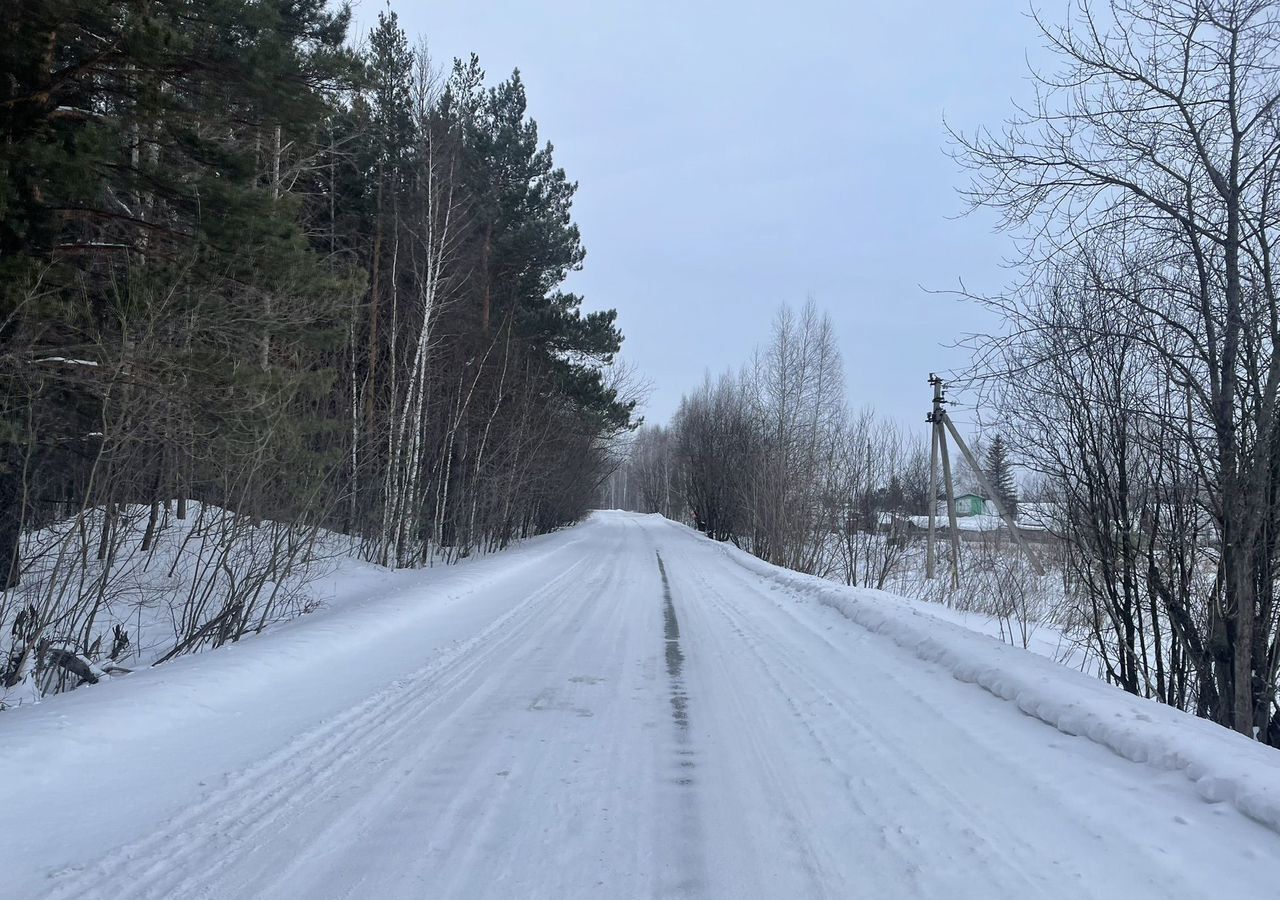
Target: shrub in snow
x,y
99,599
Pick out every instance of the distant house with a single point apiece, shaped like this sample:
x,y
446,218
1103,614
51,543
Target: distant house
x,y
977,520
968,505
1040,516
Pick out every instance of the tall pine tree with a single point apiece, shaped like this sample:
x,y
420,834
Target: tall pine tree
x,y
1000,474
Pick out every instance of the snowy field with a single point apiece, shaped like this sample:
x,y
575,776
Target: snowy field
x,y
625,709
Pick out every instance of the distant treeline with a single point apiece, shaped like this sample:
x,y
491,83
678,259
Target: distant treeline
x,y
773,459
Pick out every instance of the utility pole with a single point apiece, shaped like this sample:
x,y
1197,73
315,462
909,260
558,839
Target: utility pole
x,y
995,497
939,447
942,425
930,565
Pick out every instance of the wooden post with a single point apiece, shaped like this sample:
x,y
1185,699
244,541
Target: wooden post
x,y
995,498
930,563
951,507
939,446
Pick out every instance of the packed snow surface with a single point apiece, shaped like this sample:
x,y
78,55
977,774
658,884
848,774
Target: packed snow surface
x,y
625,709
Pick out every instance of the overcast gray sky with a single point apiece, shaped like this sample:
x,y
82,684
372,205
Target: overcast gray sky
x,y
733,156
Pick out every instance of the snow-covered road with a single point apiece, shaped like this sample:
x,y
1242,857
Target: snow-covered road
x,y
620,710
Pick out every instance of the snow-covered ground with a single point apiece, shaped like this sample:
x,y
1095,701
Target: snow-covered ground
x,y
625,709
156,599
1040,638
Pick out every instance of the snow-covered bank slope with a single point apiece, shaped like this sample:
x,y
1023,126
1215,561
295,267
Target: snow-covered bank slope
x,y
624,709
102,764
1223,765
166,588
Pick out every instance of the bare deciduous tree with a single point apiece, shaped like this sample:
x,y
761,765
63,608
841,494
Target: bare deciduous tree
x,y
1150,157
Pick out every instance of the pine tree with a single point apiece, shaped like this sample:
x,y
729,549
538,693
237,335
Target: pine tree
x,y
1000,474
145,230
895,496
528,246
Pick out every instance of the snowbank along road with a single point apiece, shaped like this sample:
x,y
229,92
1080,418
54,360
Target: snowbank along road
x,y
623,709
